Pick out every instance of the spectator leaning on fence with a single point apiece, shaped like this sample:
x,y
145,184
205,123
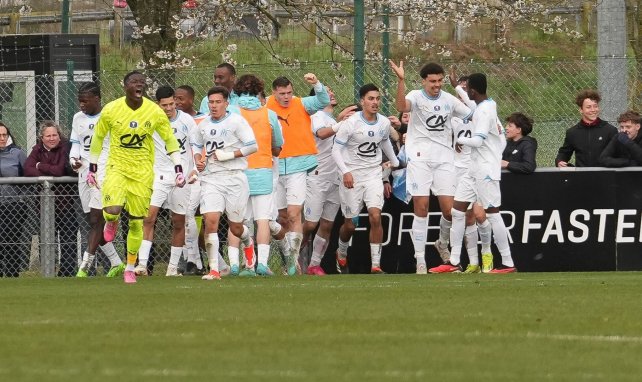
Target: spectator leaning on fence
x,y
50,157
625,148
589,137
519,154
12,211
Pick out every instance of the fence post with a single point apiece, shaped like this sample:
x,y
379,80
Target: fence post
x,y
385,52
70,95
14,23
66,17
359,46
47,231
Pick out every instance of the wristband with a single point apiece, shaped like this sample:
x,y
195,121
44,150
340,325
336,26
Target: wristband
x,y
178,169
93,167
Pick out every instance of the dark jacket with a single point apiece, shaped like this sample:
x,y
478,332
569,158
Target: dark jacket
x,y
587,142
54,162
12,160
618,154
520,155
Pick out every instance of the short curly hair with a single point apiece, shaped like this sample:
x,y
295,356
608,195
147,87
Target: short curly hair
x,y
249,84
591,94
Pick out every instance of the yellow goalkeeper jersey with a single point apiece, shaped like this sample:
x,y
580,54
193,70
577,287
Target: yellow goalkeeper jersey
x,y
130,138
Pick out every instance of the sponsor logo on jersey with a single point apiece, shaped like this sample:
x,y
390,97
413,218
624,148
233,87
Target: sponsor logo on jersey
x,y
211,146
132,141
436,122
86,142
284,119
181,143
367,149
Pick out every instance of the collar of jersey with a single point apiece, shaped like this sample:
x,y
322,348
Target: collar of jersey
x,y
175,118
328,114
430,97
227,114
366,122
92,116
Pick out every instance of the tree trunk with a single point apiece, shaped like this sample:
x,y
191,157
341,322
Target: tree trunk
x,y
159,16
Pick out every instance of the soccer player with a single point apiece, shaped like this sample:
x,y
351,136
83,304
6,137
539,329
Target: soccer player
x,y
227,139
166,193
225,76
322,194
430,152
184,98
482,181
130,122
357,152
82,130
269,139
298,156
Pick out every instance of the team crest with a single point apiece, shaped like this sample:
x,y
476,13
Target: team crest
x,y
133,124
148,124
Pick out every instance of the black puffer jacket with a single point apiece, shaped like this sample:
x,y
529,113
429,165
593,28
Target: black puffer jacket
x,y
587,142
618,154
520,155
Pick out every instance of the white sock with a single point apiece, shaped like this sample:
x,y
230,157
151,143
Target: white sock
x,y
233,255
419,231
263,253
457,235
421,258
470,236
246,239
87,260
109,251
501,238
191,238
343,248
375,254
283,245
485,235
175,255
211,244
444,231
294,240
319,246
191,255
143,252
275,227
221,262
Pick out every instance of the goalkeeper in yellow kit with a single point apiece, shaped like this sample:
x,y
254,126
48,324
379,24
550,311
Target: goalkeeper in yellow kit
x,y
130,122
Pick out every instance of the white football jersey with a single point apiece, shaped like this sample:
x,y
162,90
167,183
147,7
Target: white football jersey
x,y
228,134
327,168
182,125
362,140
82,131
486,160
462,128
430,133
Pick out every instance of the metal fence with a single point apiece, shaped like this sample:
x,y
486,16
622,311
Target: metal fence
x,y
543,89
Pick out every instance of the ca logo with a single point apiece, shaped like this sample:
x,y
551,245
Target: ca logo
x,y
86,142
132,141
181,143
436,122
367,149
212,146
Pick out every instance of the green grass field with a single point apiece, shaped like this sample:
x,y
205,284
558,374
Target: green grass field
x,y
520,327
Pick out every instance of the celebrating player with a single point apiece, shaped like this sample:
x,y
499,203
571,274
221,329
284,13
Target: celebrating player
x,y
430,152
298,156
166,193
82,130
227,139
357,152
482,181
130,122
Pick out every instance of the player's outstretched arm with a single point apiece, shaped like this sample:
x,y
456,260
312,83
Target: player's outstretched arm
x,y
320,99
401,103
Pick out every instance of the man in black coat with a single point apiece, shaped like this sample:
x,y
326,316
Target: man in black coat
x,y
589,137
519,154
625,148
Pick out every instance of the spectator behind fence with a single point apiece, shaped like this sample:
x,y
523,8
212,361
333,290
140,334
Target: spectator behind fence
x,y
49,157
13,252
519,154
589,137
624,149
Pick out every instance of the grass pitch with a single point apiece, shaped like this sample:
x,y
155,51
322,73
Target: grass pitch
x,y
519,327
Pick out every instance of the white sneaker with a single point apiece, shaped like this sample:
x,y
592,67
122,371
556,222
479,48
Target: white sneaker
x,y
443,251
422,269
172,270
140,270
